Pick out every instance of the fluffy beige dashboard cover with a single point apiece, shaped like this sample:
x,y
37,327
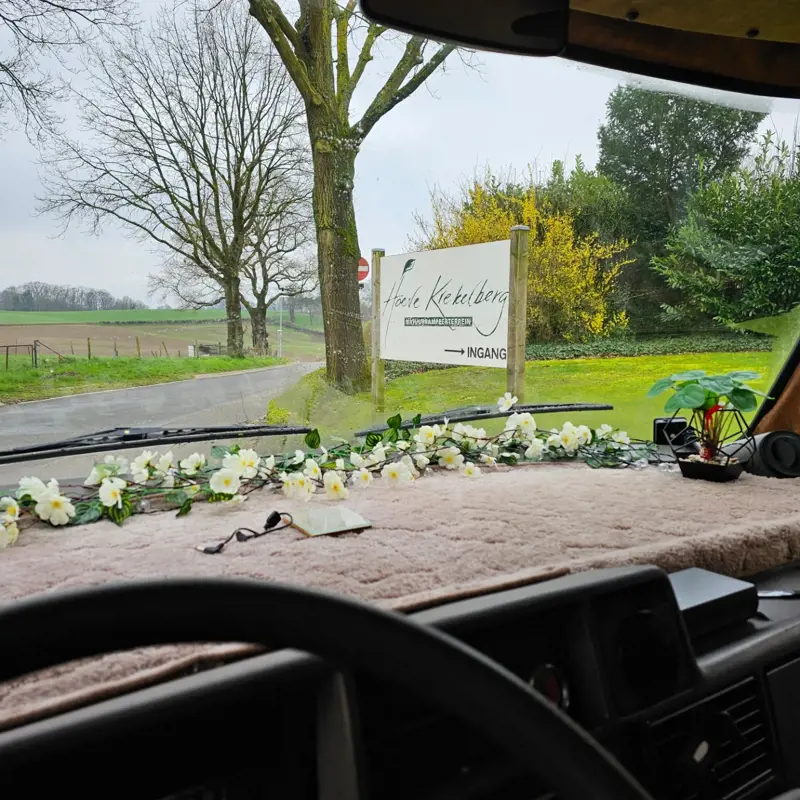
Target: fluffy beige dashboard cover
x,y
444,537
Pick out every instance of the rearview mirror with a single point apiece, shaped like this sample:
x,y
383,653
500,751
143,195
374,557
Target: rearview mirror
x,y
748,46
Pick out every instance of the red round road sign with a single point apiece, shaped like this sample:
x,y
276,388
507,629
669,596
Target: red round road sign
x,y
363,269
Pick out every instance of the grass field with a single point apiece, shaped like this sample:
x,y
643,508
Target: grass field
x,y
302,319
56,378
621,382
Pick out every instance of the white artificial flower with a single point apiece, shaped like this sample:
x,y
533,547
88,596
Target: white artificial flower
x,y
553,440
9,533
526,424
584,433
30,487
144,462
451,458
298,485
402,444
334,487
621,437
299,457
312,469
9,509
244,463
407,462
568,440
53,507
604,431
225,481
396,473
340,463
378,454
425,436
357,461
470,470
421,461
166,481
111,492
512,422
109,467
164,463
192,464
535,449
505,402
266,467
363,477
489,460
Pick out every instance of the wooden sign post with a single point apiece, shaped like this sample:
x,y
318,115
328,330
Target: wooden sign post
x,y
517,311
377,363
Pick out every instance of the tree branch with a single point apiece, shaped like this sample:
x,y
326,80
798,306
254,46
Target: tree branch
x,y
346,89
395,90
289,45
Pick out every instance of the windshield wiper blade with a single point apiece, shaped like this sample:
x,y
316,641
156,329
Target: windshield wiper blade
x,y
126,438
472,413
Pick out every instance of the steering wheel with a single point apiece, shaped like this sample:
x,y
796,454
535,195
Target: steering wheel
x,y
53,628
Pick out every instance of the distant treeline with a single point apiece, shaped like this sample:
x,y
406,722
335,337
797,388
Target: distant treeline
x,y
38,296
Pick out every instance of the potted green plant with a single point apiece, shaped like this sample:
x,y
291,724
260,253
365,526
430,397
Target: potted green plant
x,y
717,425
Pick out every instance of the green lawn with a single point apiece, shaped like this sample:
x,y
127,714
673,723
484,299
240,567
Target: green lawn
x,y
621,382
54,378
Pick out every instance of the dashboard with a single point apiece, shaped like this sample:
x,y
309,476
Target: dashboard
x,y
710,717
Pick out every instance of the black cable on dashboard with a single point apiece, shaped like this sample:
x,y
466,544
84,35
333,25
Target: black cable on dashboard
x,y
272,525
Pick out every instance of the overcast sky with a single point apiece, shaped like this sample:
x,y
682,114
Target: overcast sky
x,y
515,111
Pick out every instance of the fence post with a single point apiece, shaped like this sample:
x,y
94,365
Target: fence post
x,y
7,349
138,348
375,332
517,311
116,352
89,346
166,352
35,352
71,348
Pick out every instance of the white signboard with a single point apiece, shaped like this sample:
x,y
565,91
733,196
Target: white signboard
x,y
446,306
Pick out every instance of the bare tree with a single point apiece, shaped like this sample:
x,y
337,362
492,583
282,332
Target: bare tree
x,y
32,30
193,140
326,50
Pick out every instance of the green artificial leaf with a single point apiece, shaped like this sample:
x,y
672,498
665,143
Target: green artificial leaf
x,y
87,511
234,449
743,399
691,375
690,396
718,384
744,375
312,439
185,508
373,439
417,420
395,421
176,498
660,386
392,435
405,434
118,514
218,451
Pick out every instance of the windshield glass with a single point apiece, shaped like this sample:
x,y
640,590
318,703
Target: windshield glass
x,y
201,228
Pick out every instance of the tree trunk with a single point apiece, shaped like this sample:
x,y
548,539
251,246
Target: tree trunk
x,y
338,252
291,309
233,312
258,320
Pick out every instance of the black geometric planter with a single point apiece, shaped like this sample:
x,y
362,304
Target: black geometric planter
x,y
736,445
709,471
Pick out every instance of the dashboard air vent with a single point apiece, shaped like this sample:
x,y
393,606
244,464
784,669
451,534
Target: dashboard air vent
x,y
721,748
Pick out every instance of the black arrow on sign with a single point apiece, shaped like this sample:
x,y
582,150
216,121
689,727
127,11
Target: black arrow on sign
x,y
461,351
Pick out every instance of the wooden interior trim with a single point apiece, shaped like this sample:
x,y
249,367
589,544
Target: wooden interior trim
x,y
735,64
785,413
769,20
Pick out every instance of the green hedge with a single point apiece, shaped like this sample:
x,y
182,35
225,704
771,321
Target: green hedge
x,y
649,346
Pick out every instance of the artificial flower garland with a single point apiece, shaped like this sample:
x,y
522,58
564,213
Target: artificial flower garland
x,y
115,489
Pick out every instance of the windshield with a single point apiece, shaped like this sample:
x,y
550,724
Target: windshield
x,y
203,227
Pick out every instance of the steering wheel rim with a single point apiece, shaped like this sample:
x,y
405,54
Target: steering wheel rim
x,y
51,629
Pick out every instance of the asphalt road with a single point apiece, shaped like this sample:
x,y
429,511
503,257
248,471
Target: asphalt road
x,y
213,400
